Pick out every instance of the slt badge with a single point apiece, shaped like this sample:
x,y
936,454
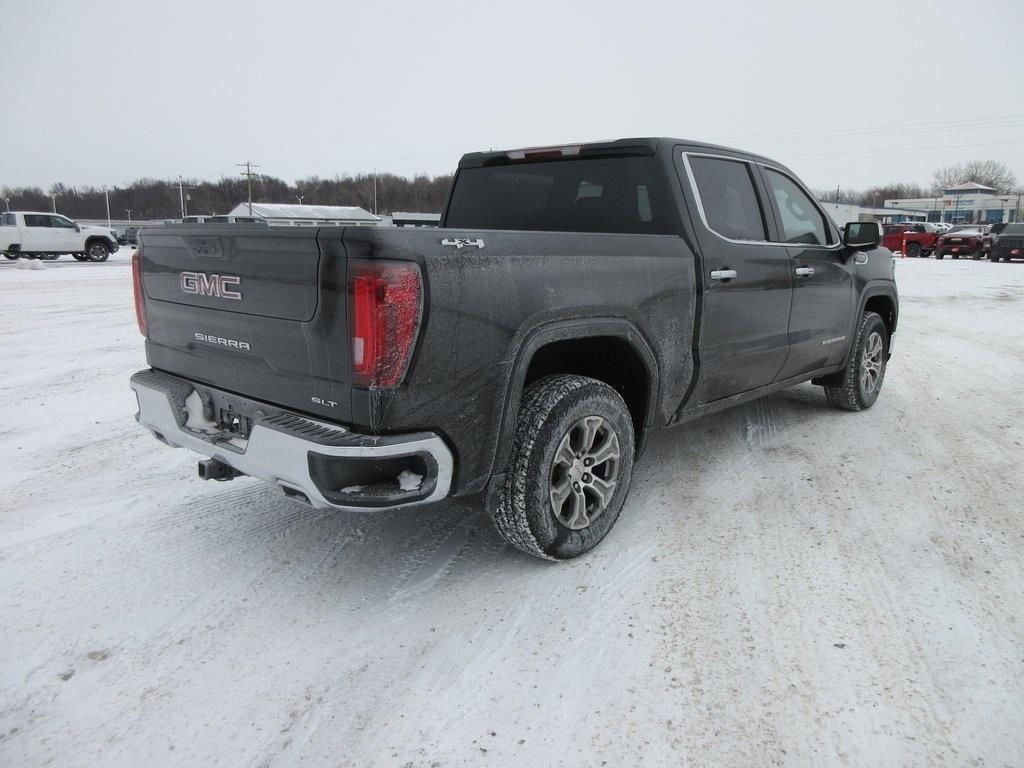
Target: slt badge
x,y
462,242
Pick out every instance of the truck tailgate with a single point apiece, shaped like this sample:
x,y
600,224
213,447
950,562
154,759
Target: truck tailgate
x,y
257,310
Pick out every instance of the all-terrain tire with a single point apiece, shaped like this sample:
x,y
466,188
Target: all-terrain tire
x,y
97,250
850,393
523,511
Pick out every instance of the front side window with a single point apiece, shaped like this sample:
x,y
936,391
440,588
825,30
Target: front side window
x,y
61,222
727,195
800,218
37,220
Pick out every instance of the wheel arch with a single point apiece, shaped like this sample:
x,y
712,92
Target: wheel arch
x,y
558,347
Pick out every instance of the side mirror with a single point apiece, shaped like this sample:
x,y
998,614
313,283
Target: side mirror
x,y
862,235
77,228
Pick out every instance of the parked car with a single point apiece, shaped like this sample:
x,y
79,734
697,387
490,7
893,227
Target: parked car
x,y
1008,244
892,235
130,236
989,236
960,241
34,234
920,240
575,300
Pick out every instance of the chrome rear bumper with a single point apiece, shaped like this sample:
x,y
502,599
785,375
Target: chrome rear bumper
x,y
329,465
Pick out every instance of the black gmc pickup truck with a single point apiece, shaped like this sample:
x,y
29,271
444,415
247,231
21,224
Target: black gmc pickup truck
x,y
574,300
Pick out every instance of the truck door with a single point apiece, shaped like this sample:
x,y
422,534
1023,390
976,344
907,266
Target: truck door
x,y
65,238
820,322
37,233
747,278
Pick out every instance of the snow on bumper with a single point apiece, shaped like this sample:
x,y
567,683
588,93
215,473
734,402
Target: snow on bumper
x,y
329,465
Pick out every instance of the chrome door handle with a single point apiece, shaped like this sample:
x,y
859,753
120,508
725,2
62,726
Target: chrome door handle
x,y
803,271
723,274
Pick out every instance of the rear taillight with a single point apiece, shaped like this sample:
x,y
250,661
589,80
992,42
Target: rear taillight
x,y
385,298
140,316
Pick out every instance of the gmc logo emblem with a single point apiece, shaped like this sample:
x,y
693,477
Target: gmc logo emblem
x,y
202,284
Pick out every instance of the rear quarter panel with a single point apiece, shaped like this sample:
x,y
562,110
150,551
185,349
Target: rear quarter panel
x,y
482,305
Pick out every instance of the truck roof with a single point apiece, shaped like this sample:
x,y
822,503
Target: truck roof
x,y
39,213
635,146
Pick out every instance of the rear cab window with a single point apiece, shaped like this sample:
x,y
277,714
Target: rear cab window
x,y
728,200
612,195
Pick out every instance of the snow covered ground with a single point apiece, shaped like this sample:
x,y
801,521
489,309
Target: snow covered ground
x,y
787,584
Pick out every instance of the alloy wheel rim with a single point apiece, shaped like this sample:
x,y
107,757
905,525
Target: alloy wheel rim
x,y
871,363
584,472
96,251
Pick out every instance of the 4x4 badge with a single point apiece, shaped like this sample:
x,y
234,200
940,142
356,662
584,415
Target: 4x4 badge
x,y
461,242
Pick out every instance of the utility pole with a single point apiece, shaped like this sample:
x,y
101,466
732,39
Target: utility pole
x,y
54,199
7,202
181,194
129,212
248,173
106,196
299,198
837,193
374,191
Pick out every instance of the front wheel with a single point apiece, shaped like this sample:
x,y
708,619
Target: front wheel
x,y
913,250
97,251
570,467
858,385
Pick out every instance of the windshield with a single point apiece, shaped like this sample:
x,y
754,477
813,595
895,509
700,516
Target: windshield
x,y
620,194
1013,229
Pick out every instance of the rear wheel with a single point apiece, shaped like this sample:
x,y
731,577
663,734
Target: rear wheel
x,y
914,250
569,472
80,257
858,385
12,256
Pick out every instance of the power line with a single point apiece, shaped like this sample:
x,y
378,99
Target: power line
x,y
248,173
961,124
901,149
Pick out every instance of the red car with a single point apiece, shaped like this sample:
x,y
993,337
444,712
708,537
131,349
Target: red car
x,y
960,241
919,238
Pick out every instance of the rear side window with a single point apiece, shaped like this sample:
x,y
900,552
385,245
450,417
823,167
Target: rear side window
x,y
727,196
800,218
9,220
612,195
35,220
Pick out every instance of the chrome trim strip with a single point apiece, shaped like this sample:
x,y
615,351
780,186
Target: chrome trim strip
x,y
703,216
281,458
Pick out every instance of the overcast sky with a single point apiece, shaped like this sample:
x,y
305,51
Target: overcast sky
x,y
850,93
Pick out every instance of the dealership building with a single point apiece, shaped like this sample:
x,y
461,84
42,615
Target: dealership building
x,y
969,203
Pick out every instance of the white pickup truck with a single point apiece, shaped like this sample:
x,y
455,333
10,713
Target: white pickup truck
x,y
35,234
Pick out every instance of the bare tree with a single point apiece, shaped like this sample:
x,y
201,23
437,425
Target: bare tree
x,y
990,173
